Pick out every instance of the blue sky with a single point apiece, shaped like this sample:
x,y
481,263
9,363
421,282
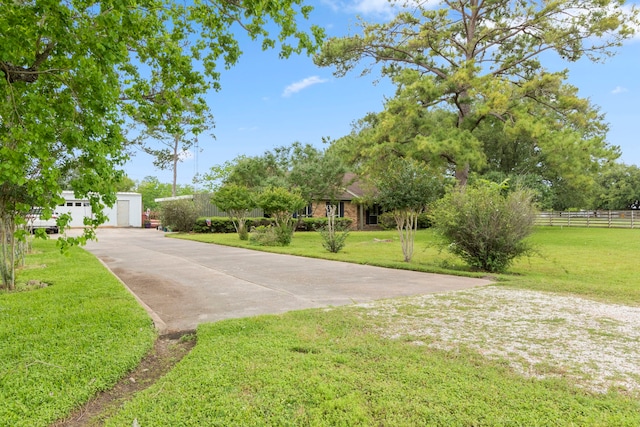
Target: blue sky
x,y
266,102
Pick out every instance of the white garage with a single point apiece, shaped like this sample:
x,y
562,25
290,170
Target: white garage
x,y
126,212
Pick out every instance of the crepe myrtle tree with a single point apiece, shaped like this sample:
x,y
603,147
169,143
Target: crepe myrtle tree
x,y
72,72
281,204
236,201
405,189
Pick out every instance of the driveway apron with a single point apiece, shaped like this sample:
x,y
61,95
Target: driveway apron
x,y
184,283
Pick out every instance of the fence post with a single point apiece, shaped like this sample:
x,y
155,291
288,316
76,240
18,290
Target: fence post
x,y
609,218
632,220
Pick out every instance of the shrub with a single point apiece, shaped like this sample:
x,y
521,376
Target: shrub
x,y
265,236
334,240
223,224
179,215
280,203
317,224
484,227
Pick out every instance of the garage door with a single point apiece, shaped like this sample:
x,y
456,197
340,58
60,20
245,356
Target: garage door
x,y
123,213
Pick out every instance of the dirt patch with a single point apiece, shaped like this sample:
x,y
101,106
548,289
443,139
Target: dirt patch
x,y
594,345
167,351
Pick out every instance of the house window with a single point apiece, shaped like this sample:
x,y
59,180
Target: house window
x,y
340,210
372,214
308,210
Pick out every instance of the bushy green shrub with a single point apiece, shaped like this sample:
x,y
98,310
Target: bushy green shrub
x,y
178,215
387,222
280,204
265,236
334,240
223,224
485,227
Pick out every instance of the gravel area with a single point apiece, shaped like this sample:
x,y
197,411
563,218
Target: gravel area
x,y
594,344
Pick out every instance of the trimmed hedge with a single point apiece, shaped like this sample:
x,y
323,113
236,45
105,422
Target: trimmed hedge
x,y
224,224
386,221
315,224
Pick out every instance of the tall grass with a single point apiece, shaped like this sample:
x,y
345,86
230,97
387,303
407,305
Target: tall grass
x,y
61,344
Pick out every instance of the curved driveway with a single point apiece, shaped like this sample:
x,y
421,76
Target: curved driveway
x,y
185,283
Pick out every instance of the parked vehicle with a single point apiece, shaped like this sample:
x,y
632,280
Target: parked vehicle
x,y
35,221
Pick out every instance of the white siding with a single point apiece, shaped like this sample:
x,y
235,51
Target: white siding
x,y
79,209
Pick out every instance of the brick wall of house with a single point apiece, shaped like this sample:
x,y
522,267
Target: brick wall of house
x,y
350,211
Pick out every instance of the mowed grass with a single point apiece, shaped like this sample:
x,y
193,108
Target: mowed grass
x,y
331,367
596,263
322,367
592,262
61,344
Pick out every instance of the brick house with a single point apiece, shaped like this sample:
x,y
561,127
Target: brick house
x,y
350,205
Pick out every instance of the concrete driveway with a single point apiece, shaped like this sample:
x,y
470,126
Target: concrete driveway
x,y
184,283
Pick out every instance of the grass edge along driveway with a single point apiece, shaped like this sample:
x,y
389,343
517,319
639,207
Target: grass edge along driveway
x,y
336,366
332,367
62,344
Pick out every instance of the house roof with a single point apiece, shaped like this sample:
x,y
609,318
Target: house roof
x,y
353,187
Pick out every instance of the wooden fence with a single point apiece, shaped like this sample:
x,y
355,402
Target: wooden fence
x,y
602,219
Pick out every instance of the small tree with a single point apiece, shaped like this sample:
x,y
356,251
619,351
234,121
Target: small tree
x,y
281,203
179,215
236,201
485,227
333,235
406,189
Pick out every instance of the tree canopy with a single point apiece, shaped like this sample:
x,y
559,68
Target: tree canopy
x,y
316,174
73,71
466,63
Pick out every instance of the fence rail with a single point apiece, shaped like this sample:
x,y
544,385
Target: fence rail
x,y
601,219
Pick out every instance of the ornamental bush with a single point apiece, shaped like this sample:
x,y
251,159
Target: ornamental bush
x,y
224,224
317,224
485,227
179,215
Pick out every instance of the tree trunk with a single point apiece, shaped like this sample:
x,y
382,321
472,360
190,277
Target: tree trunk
x,y
462,175
176,144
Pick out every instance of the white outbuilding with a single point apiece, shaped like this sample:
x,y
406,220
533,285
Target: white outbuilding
x,y
126,212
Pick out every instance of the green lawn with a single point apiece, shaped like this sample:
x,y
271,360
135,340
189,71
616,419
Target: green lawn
x,y
321,367
329,368
61,344
332,367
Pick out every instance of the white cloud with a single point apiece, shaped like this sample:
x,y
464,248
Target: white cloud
x,y
619,89
370,7
302,84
